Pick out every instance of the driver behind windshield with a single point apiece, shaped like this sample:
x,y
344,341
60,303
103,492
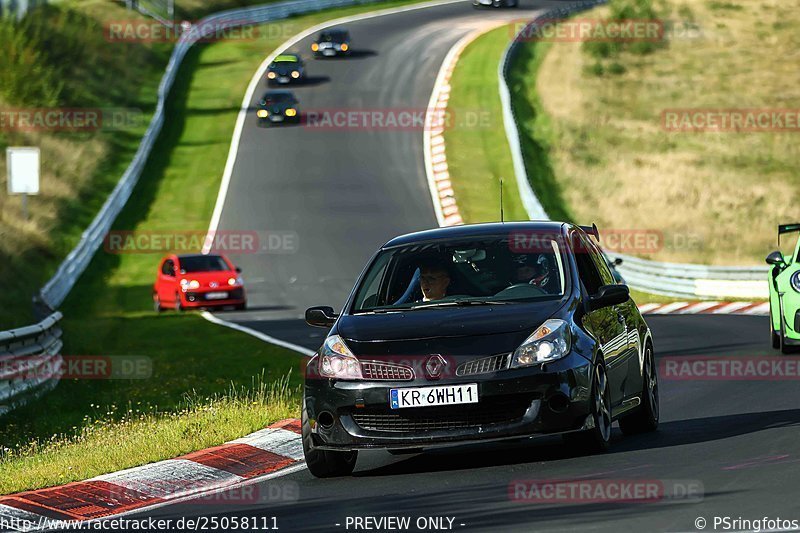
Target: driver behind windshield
x,y
530,269
433,280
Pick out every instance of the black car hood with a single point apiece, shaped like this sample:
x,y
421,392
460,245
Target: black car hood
x,y
280,107
447,322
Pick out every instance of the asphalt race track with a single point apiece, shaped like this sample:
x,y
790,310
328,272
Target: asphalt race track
x,y
737,440
344,194
341,192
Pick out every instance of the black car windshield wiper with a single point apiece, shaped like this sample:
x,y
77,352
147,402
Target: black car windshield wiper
x,y
433,305
460,303
391,309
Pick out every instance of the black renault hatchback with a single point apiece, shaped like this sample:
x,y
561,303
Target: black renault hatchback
x,y
475,333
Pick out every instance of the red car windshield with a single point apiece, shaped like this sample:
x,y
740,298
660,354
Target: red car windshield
x,y
203,263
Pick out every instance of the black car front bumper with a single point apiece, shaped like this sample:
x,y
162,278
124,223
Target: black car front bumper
x,y
350,415
270,121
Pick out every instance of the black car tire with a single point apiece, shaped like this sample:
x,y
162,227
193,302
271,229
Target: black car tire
x,y
785,348
325,463
596,439
645,419
240,307
775,336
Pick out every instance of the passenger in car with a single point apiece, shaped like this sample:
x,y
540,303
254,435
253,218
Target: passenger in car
x,y
434,279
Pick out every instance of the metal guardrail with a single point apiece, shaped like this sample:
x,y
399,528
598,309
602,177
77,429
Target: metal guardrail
x,y
30,362
67,274
670,279
30,357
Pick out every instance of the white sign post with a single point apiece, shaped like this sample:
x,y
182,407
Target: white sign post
x,y
23,173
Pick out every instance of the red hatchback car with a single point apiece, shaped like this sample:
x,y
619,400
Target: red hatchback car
x,y
195,280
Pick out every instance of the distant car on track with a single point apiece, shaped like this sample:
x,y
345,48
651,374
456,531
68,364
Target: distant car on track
x,y
277,107
456,334
193,281
331,42
784,295
495,3
285,69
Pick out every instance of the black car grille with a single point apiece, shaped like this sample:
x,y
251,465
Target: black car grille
x,y
490,411
485,365
376,370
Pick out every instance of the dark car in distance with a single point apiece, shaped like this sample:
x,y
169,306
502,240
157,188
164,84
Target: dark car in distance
x,y
495,3
331,42
277,107
285,69
476,333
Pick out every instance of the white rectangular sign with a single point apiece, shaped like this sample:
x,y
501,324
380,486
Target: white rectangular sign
x,y
23,170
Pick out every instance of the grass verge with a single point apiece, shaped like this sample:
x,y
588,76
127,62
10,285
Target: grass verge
x,y
136,439
476,157
478,153
716,197
61,57
195,366
596,149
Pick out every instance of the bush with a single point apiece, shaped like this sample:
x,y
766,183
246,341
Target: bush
x,y
60,56
625,10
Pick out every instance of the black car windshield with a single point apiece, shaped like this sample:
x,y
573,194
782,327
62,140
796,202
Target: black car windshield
x,y
276,98
203,263
480,271
333,36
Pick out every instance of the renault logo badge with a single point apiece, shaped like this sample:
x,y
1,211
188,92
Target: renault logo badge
x,y
434,366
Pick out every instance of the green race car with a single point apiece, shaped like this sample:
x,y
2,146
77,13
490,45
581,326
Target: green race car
x,y
784,294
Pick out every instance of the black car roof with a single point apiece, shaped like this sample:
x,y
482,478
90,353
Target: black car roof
x,y
334,31
475,230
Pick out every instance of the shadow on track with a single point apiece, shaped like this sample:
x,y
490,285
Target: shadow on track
x,y
546,449
354,54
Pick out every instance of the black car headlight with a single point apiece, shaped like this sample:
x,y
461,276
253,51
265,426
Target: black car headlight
x,y
551,341
337,361
795,281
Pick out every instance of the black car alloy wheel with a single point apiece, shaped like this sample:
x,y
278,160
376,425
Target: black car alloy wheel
x,y
646,417
602,404
597,438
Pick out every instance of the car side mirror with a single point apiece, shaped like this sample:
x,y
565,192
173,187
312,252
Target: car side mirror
x,y
776,258
609,295
617,262
238,270
321,317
